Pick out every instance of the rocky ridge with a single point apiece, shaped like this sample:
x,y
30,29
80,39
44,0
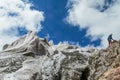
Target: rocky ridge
x,y
105,61
34,58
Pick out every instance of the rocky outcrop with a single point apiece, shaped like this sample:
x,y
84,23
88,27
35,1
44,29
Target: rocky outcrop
x,y
104,61
33,58
28,44
73,66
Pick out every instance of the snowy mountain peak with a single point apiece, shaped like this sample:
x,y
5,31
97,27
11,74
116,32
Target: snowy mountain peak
x,y
29,43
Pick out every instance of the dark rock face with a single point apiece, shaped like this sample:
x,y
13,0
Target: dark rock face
x,y
5,46
85,74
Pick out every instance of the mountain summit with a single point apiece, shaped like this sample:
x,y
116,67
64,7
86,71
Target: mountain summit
x,y
34,58
28,44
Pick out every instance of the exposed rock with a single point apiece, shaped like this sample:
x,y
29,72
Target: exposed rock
x,y
73,66
33,58
113,74
5,46
28,44
104,60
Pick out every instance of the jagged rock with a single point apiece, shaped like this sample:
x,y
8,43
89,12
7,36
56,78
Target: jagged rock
x,y
10,62
104,60
73,66
33,58
28,43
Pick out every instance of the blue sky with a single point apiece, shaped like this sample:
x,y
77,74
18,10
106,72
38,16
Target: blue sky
x,y
87,22
55,25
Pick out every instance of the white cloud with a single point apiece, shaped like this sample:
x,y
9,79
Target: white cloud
x,y
87,14
14,14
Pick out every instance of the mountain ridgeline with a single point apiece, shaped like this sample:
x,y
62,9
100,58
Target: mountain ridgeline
x,y
34,58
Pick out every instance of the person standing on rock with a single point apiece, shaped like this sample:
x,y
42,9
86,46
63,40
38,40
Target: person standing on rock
x,y
110,39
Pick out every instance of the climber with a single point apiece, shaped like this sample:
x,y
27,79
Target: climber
x,y
110,39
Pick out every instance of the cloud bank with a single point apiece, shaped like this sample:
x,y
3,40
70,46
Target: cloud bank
x,y
100,17
14,14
